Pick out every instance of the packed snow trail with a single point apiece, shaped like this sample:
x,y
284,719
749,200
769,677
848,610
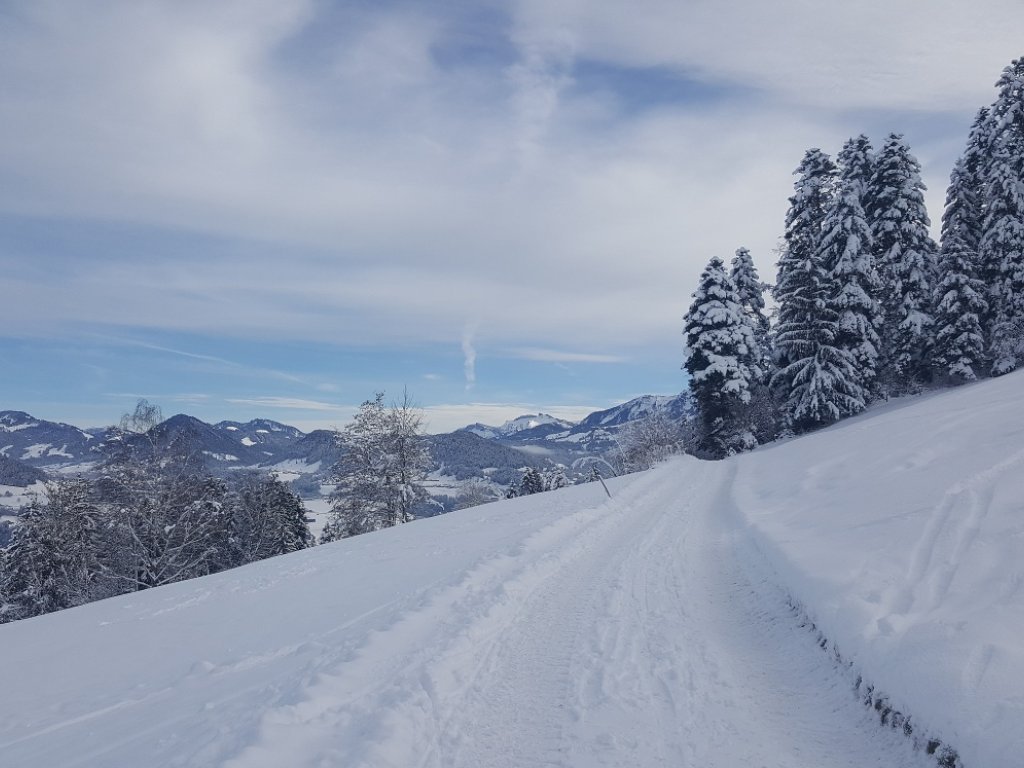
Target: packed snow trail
x,y
623,635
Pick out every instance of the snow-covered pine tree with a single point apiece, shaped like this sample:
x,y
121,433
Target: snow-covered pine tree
x,y
960,306
750,290
721,352
1002,242
816,381
57,559
796,284
906,260
380,477
532,482
857,164
812,376
845,252
973,172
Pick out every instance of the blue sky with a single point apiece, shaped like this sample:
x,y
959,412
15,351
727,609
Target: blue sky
x,y
277,207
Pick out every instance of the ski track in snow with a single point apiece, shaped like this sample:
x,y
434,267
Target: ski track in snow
x,y
627,634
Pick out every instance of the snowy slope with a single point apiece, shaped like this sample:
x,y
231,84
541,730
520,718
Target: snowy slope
x,y
571,629
902,532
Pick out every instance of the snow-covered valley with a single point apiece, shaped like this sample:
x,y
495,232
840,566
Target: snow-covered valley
x,y
656,627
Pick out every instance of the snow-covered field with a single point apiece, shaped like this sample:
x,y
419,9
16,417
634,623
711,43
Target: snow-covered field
x,y
569,629
20,496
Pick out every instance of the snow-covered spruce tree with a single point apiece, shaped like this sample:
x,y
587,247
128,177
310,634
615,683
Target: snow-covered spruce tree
x,y
845,252
532,482
857,164
380,476
816,380
973,171
267,519
750,290
796,286
58,556
1002,241
960,306
906,260
721,352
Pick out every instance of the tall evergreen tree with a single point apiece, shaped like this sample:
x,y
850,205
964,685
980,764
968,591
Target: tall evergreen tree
x,y
845,252
750,290
972,171
857,164
798,285
57,559
1002,242
960,305
970,204
959,345
905,257
721,362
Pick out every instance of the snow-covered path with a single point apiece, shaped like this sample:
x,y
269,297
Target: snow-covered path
x,y
627,634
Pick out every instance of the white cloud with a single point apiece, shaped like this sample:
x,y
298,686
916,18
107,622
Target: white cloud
x,y
290,403
388,198
559,356
913,54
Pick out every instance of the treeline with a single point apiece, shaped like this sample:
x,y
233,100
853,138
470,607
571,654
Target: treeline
x,y
150,517
868,305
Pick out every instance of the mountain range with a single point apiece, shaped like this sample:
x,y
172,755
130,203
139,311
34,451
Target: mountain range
x,y
30,446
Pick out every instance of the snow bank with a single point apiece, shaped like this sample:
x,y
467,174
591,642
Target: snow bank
x,y
902,534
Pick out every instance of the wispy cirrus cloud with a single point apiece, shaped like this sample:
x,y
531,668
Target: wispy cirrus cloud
x,y
290,403
563,356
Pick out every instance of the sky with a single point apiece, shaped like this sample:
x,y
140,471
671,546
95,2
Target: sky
x,y
275,208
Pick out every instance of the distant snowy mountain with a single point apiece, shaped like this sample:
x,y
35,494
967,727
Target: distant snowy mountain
x,y
46,444
271,437
497,453
593,435
532,425
674,407
596,433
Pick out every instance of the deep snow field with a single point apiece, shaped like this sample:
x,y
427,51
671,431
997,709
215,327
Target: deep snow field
x,y
655,628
